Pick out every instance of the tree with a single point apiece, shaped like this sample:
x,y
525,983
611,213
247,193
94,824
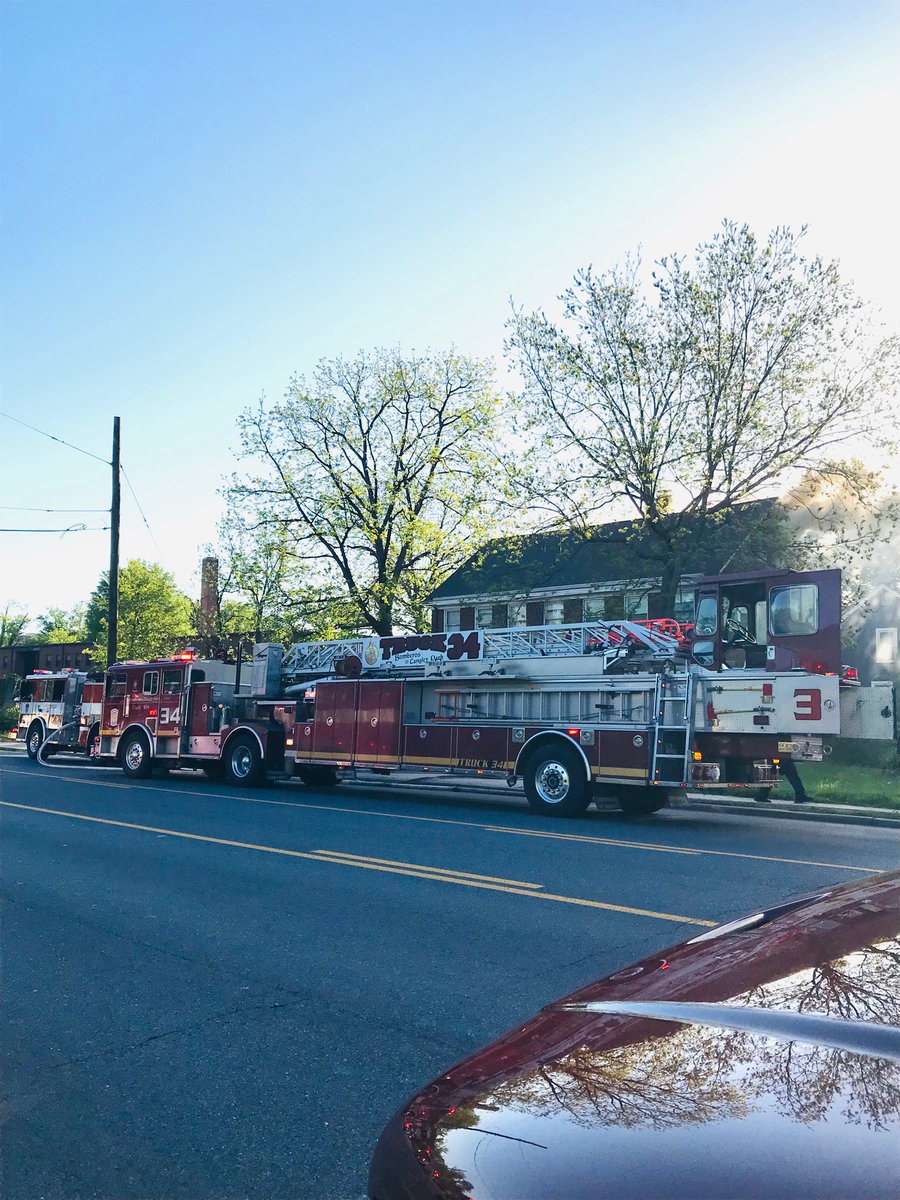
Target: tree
x,y
844,516
153,615
378,472
258,581
751,366
57,625
12,623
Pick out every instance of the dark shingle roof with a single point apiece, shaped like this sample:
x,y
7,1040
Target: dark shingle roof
x,y
620,551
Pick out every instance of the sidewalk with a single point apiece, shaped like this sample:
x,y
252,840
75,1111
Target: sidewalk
x,y
785,810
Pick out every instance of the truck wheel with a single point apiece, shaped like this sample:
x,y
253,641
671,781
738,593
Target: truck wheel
x,y
325,777
243,761
555,782
640,802
34,740
135,756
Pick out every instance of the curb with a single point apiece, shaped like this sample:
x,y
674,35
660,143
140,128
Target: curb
x,y
794,812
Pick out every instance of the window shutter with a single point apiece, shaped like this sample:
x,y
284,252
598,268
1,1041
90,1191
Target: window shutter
x,y
437,620
573,612
467,618
534,612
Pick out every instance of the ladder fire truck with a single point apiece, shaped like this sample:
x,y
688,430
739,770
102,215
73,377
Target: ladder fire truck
x,y
64,704
626,710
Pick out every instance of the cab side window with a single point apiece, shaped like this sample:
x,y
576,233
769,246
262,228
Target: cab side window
x,y
794,611
115,686
150,685
171,683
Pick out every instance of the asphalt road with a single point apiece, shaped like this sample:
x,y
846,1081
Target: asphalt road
x,y
208,993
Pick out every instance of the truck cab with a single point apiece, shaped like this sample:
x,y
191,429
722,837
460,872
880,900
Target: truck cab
x,y
770,620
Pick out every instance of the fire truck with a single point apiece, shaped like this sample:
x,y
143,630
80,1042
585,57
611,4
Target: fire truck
x,y
62,705
628,710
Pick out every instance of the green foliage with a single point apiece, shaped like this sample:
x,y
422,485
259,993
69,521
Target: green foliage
x,y
57,625
258,580
378,480
9,717
748,364
154,617
12,624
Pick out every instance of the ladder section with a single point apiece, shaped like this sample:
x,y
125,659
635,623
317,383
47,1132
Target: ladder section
x,y
422,651
555,641
672,750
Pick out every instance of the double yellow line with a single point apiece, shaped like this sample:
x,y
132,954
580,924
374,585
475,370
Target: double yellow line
x,y
491,883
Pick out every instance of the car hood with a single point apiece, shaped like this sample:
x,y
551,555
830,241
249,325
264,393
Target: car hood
x,y
765,1060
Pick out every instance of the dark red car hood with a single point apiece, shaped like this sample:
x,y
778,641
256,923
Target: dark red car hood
x,y
764,1061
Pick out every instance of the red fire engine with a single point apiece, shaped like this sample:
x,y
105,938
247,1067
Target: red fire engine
x,y
61,705
623,709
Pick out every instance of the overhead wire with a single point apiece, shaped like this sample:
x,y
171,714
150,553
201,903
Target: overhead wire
x,y
140,510
54,438
79,529
22,508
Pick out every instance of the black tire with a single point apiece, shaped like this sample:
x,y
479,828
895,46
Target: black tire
x,y
34,740
641,802
556,784
323,777
243,761
134,756
214,771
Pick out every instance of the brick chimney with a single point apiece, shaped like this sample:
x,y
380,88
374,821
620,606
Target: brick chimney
x,y
209,586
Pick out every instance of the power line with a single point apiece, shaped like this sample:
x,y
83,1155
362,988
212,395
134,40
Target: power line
x,y
70,529
140,510
53,438
20,508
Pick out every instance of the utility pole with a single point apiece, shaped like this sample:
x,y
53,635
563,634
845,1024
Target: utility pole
x,y
112,635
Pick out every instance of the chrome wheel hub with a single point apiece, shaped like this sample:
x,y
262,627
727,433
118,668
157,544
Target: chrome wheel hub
x,y
241,762
134,755
552,782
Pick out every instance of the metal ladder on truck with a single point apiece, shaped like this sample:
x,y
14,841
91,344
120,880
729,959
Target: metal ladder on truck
x,y
674,711
537,641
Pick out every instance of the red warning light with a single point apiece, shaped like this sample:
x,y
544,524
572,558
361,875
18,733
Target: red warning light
x,y
184,656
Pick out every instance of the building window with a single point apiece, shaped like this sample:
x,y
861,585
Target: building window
x,y
553,612
518,614
451,620
594,608
885,647
484,616
636,606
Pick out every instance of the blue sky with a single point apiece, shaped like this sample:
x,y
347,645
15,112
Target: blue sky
x,y
200,199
